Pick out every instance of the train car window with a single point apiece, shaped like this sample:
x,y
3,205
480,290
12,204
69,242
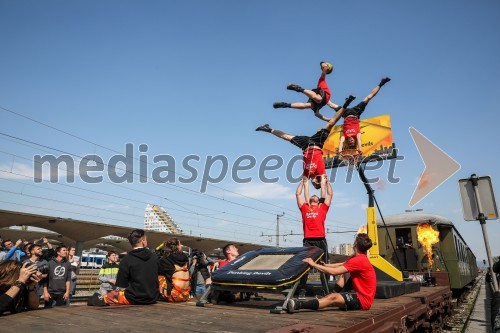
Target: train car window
x,y
461,251
403,237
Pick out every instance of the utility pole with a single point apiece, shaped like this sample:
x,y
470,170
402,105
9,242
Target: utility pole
x,y
278,228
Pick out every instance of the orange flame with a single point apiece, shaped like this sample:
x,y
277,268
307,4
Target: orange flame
x,y
427,237
362,230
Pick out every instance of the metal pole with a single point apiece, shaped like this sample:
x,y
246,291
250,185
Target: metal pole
x,y
482,221
278,228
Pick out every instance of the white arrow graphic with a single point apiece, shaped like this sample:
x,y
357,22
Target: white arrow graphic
x,y
439,166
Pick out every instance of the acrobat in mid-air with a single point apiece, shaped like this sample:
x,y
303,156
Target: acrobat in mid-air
x,y
318,97
314,166
351,131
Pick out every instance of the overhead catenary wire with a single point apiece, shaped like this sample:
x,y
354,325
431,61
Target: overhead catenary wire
x,y
295,221
190,211
119,212
115,151
148,178
111,195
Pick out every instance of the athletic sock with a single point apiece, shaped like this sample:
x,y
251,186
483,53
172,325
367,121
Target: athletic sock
x,y
312,304
384,81
348,101
337,288
264,128
277,105
295,87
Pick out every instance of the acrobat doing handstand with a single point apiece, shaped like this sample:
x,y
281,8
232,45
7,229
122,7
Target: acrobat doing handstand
x,y
351,131
314,166
318,97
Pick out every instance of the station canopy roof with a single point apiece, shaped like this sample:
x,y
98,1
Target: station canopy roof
x,y
91,234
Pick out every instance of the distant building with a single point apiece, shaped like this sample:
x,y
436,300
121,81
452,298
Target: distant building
x,y
346,249
158,219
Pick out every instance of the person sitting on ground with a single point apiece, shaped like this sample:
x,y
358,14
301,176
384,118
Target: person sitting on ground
x,y
314,166
350,130
173,273
358,294
137,279
108,273
318,97
230,251
17,286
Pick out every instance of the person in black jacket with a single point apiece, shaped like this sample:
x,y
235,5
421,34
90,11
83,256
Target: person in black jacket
x,y
137,279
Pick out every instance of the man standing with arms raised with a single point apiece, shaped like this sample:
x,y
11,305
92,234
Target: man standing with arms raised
x,y
314,211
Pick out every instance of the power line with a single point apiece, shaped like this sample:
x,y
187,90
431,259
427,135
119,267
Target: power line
x,y
147,177
112,150
112,211
148,194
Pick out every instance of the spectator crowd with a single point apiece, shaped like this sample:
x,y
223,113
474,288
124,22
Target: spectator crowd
x,y
37,273
31,272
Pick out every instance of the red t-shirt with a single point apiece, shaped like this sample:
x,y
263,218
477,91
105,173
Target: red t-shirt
x,y
351,127
364,280
324,86
313,220
313,163
223,263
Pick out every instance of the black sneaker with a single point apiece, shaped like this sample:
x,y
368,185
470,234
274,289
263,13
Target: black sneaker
x,y
384,81
292,305
302,294
278,105
264,128
348,101
295,87
96,300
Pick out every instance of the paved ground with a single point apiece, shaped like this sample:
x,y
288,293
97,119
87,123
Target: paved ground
x,y
479,320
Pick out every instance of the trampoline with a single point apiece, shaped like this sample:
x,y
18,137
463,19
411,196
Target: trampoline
x,y
270,270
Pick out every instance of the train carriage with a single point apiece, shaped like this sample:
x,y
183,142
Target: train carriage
x,y
450,254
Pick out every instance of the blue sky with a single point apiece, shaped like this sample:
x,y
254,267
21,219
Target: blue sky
x,y
196,78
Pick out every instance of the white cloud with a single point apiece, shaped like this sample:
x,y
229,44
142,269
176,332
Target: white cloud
x,y
342,200
264,191
16,171
342,204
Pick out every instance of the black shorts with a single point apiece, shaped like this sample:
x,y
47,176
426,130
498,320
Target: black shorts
x,y
356,110
318,242
317,106
318,139
351,301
